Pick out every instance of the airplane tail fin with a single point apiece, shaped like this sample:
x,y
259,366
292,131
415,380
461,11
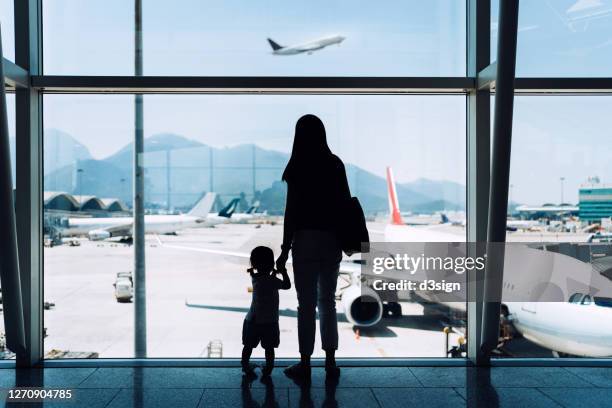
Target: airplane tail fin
x,y
203,206
396,216
253,208
444,219
274,45
229,209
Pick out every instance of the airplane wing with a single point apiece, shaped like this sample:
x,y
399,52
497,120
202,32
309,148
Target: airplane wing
x,y
306,48
346,268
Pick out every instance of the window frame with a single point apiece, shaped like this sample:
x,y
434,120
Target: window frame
x,y
25,78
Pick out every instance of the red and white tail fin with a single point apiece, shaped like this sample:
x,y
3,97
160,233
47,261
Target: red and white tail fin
x,y
396,216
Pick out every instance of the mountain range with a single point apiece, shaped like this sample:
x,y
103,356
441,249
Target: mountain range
x,y
195,168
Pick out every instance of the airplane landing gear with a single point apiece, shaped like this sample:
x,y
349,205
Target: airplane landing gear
x,y
392,309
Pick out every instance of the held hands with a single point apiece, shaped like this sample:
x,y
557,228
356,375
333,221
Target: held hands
x,y
281,262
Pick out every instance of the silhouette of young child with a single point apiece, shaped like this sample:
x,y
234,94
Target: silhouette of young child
x,y
261,322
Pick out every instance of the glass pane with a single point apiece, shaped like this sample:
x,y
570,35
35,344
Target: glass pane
x,y
562,38
86,190
10,102
494,28
10,111
237,147
7,23
560,193
425,38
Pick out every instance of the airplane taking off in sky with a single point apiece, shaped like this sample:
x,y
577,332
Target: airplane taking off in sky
x,y
308,47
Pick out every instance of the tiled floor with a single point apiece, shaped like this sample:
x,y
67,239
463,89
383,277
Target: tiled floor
x,y
516,387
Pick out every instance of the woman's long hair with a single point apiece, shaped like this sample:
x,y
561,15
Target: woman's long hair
x,y
310,151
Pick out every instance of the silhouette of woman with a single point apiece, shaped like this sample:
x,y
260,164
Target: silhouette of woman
x,y
317,190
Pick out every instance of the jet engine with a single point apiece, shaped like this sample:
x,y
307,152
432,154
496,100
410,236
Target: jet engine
x,y
362,306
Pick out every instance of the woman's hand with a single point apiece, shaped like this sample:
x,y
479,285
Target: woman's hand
x,y
282,261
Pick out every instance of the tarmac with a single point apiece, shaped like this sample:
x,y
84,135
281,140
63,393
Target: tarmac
x,y
87,317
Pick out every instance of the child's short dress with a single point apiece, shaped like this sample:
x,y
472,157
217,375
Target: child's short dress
x,y
261,322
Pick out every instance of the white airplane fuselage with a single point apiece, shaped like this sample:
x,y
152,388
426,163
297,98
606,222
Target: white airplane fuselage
x,y
154,224
309,47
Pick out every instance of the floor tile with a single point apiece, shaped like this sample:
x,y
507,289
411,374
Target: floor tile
x,y
164,377
48,377
534,377
157,397
580,397
598,376
245,397
440,376
418,397
370,377
332,397
511,397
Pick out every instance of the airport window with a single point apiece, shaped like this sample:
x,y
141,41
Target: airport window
x,y
238,38
10,111
84,182
223,86
10,102
235,146
7,23
558,176
564,38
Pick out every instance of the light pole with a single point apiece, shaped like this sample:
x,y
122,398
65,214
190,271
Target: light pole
x,y
140,304
562,179
123,192
80,180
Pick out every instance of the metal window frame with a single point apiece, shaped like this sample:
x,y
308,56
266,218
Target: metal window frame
x,y
25,76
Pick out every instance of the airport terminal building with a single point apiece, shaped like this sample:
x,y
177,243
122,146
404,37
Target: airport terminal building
x,y
124,123
595,203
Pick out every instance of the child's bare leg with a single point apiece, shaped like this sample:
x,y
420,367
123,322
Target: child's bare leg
x,y
269,361
247,367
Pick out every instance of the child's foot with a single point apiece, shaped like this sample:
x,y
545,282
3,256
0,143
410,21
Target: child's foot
x,y
249,368
267,370
298,371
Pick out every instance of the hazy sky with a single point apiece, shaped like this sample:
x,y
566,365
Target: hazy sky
x,y
421,136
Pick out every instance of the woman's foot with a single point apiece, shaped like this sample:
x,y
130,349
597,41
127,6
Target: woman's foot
x,y
249,368
299,371
331,368
332,371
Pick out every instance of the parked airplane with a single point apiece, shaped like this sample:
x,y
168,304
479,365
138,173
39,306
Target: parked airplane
x,y
581,326
308,47
249,216
97,229
425,219
514,225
